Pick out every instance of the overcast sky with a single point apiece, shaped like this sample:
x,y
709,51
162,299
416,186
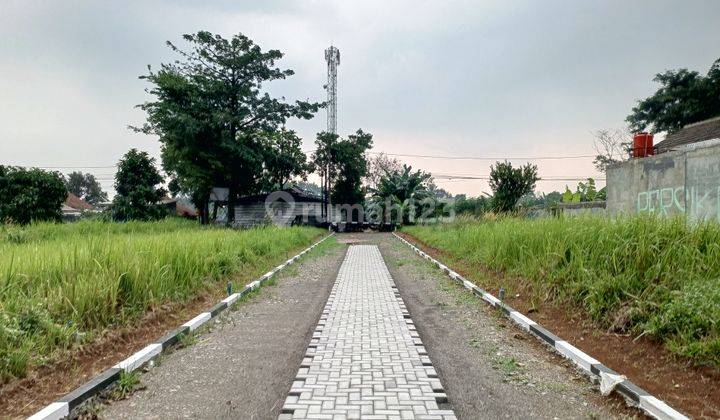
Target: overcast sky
x,y
486,79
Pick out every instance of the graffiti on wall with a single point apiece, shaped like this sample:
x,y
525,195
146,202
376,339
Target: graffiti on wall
x,y
697,202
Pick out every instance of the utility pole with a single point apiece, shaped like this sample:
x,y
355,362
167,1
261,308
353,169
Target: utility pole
x,y
332,56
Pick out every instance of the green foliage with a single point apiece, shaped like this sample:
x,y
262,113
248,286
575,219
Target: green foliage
x,y
136,184
684,98
403,188
510,184
347,165
585,191
86,187
28,195
214,119
63,283
473,205
644,275
283,159
126,385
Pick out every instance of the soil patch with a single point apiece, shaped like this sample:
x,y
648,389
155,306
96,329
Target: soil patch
x,y
694,390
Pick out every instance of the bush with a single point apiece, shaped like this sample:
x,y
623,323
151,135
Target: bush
x,y
28,195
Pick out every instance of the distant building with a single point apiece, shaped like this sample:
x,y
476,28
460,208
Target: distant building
x,y
691,133
290,206
74,207
180,207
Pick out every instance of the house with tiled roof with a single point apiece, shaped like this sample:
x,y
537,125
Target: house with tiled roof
x,y
74,206
692,133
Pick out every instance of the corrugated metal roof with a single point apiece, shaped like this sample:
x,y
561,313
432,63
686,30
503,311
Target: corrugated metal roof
x,y
691,133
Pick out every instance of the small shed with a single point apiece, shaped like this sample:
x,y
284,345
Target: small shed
x,y
290,206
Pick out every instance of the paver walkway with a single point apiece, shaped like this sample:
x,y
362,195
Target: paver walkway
x,y
365,359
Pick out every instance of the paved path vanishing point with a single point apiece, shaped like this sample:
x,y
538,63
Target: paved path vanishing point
x,y
254,361
365,356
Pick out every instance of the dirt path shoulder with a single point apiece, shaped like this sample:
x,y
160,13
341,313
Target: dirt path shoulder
x,y
244,364
490,369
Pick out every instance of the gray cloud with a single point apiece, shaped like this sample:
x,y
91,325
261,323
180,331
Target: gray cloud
x,y
451,78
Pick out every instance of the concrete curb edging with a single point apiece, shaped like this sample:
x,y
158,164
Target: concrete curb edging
x,y
608,379
64,406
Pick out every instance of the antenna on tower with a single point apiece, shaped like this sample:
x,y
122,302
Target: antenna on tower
x,y
332,56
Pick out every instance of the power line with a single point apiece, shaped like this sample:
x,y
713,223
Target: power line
x,y
475,157
377,153
487,178
66,167
487,158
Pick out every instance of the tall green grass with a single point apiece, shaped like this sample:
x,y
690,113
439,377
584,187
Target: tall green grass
x,y
648,276
60,284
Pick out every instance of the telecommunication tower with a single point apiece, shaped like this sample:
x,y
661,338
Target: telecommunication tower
x,y
332,56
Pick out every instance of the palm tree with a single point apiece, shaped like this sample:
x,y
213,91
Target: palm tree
x,y
401,189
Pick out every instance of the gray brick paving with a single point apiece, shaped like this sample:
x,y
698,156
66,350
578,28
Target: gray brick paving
x,y
365,359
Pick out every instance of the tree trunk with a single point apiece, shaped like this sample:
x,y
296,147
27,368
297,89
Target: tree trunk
x,y
231,207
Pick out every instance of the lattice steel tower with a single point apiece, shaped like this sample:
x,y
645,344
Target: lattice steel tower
x,y
332,56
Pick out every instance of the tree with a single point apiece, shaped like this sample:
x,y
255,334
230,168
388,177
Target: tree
x,y
211,113
343,161
86,187
611,146
684,98
510,184
30,195
404,189
283,158
379,166
475,206
136,184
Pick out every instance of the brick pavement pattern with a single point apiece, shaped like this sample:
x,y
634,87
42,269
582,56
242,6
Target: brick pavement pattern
x,y
365,359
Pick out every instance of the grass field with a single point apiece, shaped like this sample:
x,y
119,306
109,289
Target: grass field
x,y
643,275
61,284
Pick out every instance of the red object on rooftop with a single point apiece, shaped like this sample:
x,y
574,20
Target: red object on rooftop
x,y
643,145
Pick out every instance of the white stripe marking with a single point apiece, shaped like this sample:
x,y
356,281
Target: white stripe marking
x,y
231,299
522,320
468,284
136,360
576,355
54,411
659,409
196,322
491,299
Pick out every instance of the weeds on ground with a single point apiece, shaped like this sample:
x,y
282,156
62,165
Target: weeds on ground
x,y
126,385
186,340
642,275
60,283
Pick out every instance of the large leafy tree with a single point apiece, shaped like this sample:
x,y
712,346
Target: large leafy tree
x,y
343,162
684,97
28,195
86,187
510,184
137,183
211,114
283,158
